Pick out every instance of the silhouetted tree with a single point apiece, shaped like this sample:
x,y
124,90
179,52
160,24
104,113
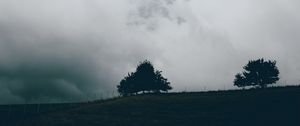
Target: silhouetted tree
x,y
258,73
145,78
161,83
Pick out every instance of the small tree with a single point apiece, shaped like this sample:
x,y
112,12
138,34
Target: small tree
x,y
145,78
258,73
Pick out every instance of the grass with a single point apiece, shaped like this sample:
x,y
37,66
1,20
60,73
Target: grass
x,y
273,106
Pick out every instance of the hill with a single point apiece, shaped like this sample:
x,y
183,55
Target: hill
x,y
272,106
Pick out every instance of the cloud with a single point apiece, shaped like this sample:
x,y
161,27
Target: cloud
x,y
219,37
149,13
62,52
70,49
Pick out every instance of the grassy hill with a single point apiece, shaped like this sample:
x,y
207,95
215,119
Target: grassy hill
x,y
273,106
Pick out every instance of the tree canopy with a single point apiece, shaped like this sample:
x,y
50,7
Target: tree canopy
x,y
144,79
257,73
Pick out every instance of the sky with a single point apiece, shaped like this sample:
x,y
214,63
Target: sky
x,y
75,49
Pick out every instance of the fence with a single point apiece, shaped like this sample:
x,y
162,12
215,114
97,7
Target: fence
x,y
38,106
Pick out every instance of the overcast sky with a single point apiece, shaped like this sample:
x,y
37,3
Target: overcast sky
x,y
71,48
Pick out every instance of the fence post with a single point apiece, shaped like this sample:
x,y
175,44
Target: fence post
x,y
24,110
38,108
9,110
101,97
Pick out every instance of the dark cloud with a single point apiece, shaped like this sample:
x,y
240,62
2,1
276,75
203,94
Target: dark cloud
x,y
33,66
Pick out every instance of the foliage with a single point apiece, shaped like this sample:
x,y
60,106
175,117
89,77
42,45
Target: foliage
x,y
144,79
257,73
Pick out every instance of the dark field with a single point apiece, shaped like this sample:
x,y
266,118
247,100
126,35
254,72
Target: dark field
x,y
273,106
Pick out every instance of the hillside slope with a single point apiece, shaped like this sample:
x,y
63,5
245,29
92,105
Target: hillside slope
x,y
275,106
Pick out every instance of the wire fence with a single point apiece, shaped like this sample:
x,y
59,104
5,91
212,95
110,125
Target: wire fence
x,y
39,105
42,105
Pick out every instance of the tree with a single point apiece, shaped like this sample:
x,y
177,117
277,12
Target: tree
x,y
258,73
144,79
